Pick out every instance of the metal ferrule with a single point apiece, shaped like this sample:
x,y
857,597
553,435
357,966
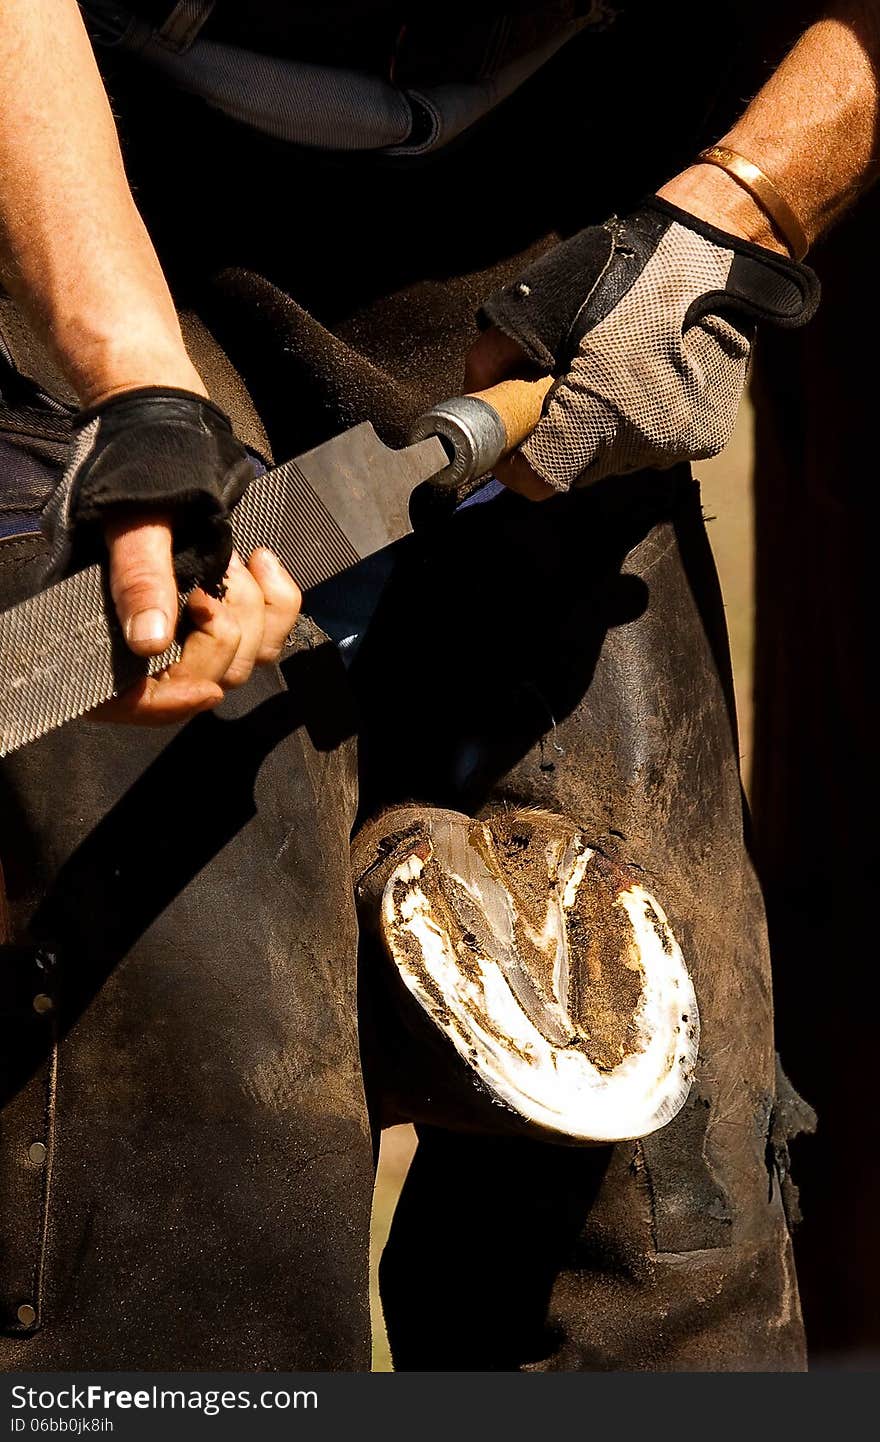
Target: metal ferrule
x,y
472,433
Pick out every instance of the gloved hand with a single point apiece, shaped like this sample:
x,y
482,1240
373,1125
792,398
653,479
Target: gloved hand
x,y
153,474
168,452
648,323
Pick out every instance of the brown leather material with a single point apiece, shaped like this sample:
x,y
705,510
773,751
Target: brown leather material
x,y
671,1254
28,1089
209,1108
27,1054
691,1206
203,1107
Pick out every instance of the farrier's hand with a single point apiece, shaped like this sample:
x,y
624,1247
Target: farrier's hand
x,y
226,638
647,322
156,471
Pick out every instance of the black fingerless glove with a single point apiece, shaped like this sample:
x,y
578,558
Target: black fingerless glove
x,y
648,323
168,451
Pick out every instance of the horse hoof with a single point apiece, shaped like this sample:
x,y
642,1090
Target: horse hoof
x,y
549,972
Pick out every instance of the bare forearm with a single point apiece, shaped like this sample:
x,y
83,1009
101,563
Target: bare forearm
x,y
813,129
73,248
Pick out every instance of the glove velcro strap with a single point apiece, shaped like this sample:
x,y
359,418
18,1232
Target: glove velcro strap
x,y
574,286
762,284
763,291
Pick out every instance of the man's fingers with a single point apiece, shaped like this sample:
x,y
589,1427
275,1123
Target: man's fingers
x,y
265,602
160,701
245,600
193,684
142,582
492,358
226,640
212,645
517,475
282,598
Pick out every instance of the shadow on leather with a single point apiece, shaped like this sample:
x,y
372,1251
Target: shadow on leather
x,y
509,1214
95,910
489,635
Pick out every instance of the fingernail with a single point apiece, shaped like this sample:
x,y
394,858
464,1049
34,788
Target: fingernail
x,y
268,558
146,627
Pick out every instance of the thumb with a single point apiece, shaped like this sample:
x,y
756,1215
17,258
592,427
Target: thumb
x,y
142,582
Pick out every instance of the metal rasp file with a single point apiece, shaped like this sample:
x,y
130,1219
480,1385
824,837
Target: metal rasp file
x,y
62,651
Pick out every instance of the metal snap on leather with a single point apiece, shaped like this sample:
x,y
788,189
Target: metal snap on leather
x,y
26,1314
42,1003
37,1153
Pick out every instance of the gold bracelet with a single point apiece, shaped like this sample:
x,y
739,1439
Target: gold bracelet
x,y
762,190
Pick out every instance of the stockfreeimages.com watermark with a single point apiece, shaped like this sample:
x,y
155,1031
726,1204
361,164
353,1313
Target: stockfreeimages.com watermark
x,y
211,1402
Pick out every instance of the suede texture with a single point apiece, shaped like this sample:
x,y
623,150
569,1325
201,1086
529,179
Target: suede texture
x,y
205,1202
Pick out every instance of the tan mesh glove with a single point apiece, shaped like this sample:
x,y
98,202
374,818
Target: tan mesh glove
x,y
648,323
